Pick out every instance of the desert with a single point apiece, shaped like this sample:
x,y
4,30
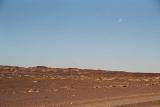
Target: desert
x,y
42,86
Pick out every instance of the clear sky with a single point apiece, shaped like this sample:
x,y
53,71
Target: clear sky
x,y
99,34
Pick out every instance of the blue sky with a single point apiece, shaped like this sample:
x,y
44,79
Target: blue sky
x,y
98,34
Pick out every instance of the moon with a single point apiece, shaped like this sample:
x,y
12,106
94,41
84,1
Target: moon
x,y
120,20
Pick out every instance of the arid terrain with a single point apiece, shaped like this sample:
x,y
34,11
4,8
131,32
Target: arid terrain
x,y
71,87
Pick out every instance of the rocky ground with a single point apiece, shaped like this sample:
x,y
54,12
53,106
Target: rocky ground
x,y
56,87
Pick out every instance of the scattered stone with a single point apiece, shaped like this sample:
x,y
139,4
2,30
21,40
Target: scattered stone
x,y
55,90
13,92
73,95
95,87
111,86
33,91
35,81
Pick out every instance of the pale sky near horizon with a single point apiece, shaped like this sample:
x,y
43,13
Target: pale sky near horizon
x,y
97,34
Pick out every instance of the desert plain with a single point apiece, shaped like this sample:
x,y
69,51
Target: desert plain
x,y
42,86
